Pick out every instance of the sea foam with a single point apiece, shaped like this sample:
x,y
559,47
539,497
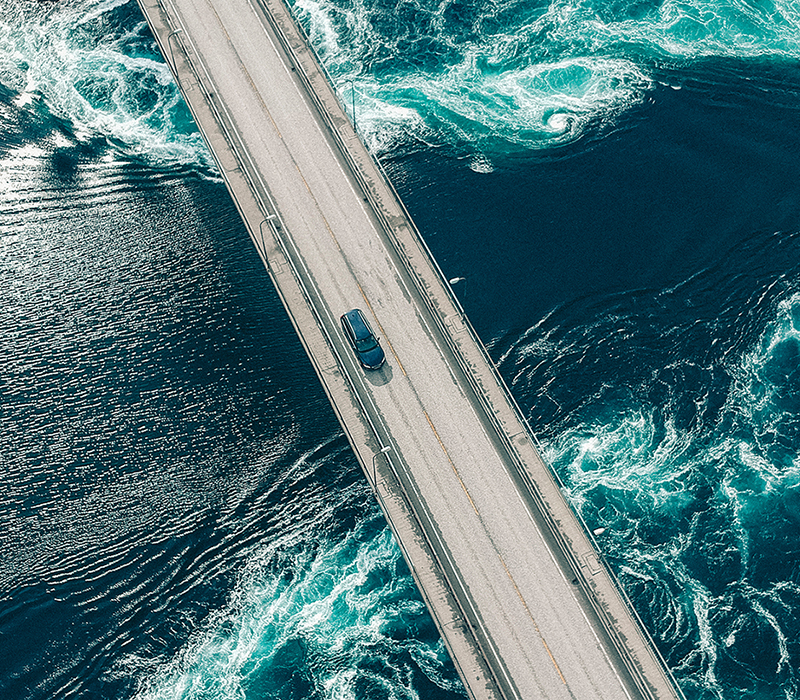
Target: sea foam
x,y
516,76
93,77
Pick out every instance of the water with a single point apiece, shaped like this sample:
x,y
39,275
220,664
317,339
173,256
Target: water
x,y
617,182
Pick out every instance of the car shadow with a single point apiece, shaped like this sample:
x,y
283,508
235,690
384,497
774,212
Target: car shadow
x,y
380,377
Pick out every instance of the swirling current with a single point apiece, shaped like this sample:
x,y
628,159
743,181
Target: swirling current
x,y
618,183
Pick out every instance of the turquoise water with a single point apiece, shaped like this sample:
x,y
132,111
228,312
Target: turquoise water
x,y
618,182
503,78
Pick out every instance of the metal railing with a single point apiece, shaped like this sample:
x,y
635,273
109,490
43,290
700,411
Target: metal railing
x,y
273,219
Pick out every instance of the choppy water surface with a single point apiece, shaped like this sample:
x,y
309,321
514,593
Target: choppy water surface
x,y
618,184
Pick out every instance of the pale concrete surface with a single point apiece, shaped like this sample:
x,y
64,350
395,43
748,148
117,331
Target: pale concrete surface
x,y
513,582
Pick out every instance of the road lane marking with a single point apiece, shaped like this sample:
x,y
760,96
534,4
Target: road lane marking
x,y
316,203
533,619
499,556
453,466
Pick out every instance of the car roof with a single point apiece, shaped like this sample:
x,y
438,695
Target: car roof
x,y
358,323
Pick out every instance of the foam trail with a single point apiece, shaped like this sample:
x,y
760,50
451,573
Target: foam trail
x,y
508,76
313,618
94,66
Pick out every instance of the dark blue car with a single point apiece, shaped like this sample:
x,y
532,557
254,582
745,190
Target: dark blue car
x,y
361,338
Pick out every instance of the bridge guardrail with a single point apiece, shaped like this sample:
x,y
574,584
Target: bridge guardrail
x,y
271,214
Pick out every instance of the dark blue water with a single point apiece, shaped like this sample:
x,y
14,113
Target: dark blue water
x,y
619,185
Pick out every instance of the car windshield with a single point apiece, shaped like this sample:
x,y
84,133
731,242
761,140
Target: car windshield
x,y
365,344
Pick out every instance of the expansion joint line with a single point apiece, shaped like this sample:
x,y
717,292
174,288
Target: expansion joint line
x,y
499,556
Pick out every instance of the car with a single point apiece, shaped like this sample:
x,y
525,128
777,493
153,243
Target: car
x,y
359,335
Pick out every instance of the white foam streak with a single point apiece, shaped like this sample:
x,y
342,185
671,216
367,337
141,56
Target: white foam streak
x,y
732,28
781,637
540,105
627,453
97,82
537,82
100,8
290,597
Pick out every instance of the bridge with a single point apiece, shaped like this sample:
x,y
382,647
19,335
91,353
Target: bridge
x,y
524,603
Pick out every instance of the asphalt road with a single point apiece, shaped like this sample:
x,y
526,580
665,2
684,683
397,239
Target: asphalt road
x,y
527,616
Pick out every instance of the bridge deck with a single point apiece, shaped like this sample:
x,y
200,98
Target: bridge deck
x,y
513,582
